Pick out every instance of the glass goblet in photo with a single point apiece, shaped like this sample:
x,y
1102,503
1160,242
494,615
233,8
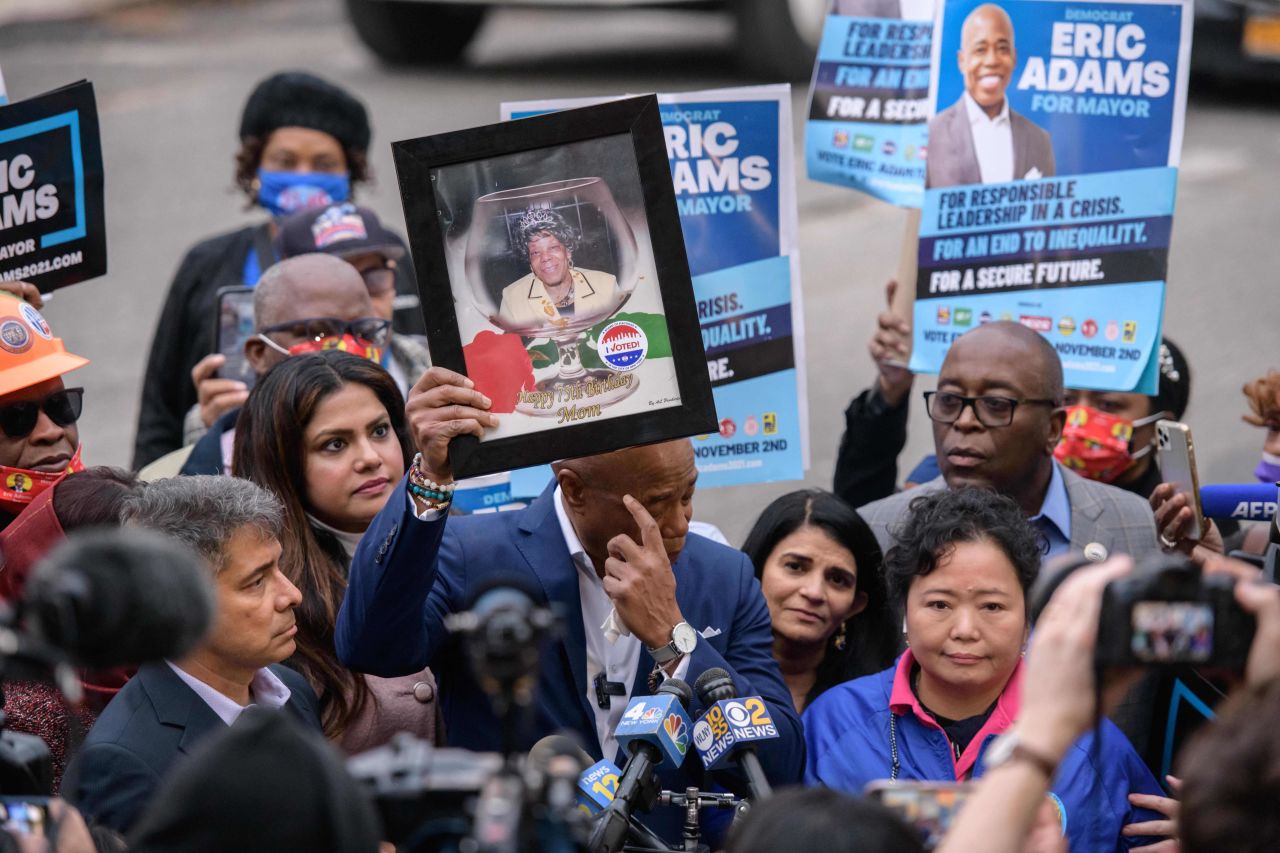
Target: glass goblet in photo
x,y
548,262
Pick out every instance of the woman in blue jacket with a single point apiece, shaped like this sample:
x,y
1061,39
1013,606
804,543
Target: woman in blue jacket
x,y
960,572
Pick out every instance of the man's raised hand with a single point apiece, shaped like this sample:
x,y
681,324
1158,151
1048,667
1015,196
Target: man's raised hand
x,y
443,404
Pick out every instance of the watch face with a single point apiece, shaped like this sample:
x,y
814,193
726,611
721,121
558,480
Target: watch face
x,y
684,637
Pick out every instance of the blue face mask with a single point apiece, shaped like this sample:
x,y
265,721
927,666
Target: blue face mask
x,y
283,193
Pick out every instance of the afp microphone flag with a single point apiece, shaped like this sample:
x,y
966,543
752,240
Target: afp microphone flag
x,y
1051,176
869,99
52,228
732,167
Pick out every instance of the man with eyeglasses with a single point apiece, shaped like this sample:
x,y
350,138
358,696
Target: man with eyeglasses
x,y
307,303
39,442
357,236
997,417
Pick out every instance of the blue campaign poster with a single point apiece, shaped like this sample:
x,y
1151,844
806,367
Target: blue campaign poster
x,y
732,167
1051,178
869,99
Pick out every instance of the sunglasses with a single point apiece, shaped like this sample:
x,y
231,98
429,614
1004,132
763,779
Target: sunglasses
x,y
375,330
63,408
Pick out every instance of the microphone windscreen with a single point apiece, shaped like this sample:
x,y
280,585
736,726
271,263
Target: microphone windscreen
x,y
552,746
678,688
124,596
1243,502
715,685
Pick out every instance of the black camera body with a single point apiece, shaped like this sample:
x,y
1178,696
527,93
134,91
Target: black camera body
x,y
1167,613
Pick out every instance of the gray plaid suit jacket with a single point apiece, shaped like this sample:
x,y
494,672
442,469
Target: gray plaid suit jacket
x,y
1120,521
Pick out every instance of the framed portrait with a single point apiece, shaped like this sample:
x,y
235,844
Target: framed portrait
x,y
552,272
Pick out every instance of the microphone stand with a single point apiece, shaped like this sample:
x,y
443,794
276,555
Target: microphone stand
x,y
693,802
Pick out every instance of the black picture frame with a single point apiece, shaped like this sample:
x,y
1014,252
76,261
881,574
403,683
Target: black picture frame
x,y
639,117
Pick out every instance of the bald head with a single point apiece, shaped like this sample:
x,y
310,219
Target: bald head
x,y
986,15
312,285
660,476
1031,350
1012,455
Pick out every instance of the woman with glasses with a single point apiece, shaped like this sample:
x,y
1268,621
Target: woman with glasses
x,y
325,432
959,572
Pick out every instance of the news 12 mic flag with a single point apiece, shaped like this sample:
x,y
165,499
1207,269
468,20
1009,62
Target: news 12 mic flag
x,y
597,786
730,723
1051,178
659,720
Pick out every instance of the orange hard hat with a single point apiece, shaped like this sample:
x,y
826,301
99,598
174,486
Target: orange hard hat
x,y
29,353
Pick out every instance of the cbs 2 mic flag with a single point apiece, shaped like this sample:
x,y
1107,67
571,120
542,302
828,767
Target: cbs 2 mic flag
x,y
1050,181
730,723
52,226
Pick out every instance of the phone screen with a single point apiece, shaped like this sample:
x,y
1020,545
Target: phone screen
x,y
1172,631
930,809
25,814
235,326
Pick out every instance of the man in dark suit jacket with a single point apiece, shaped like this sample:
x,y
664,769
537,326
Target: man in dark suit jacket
x,y
613,525
170,706
979,139
1011,452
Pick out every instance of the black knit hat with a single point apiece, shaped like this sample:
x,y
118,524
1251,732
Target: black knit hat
x,y
264,784
1174,391
299,99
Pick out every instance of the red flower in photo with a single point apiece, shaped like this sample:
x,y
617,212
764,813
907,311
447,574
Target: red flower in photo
x,y
500,367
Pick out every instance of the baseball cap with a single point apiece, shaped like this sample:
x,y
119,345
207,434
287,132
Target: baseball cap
x,y
342,229
29,353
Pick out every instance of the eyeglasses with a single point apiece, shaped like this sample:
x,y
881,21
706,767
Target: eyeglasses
x,y
991,411
63,408
380,280
375,330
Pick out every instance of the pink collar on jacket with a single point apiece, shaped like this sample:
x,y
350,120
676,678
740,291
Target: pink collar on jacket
x,y
903,700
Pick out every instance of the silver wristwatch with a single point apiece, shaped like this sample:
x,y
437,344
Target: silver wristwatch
x,y
683,640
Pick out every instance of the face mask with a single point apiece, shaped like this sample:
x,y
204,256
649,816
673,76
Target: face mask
x,y
283,193
1096,445
19,486
346,343
1268,470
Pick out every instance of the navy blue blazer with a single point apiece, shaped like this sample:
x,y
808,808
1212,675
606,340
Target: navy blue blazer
x,y
153,720
408,575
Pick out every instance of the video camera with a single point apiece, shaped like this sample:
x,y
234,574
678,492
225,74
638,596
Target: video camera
x,y
1165,613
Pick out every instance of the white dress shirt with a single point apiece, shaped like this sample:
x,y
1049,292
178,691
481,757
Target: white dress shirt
x,y
992,141
618,659
265,689
611,648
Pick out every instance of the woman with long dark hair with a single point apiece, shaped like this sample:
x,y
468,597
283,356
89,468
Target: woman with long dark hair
x,y
820,570
326,434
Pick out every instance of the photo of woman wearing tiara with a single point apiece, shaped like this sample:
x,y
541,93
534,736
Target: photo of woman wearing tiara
x,y
555,290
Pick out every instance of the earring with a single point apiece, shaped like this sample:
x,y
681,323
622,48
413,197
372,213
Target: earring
x,y
842,638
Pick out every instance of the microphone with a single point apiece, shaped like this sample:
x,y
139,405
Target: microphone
x,y
1244,502
727,731
655,730
597,784
119,597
